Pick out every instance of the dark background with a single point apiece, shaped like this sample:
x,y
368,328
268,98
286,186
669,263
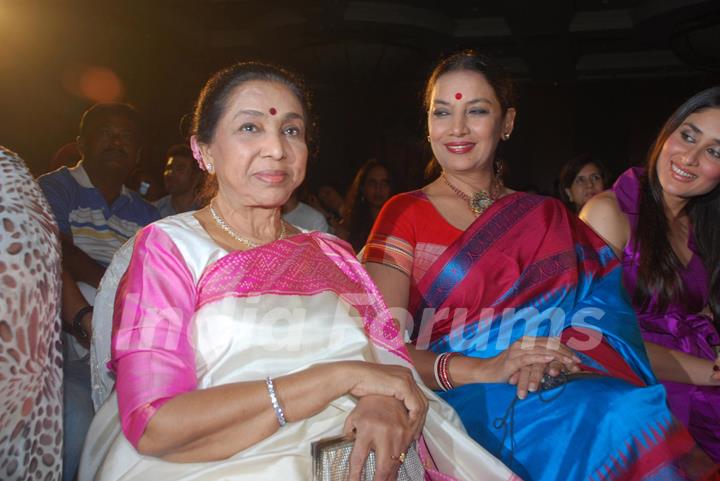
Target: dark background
x,y
597,76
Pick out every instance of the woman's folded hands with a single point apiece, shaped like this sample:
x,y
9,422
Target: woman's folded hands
x,y
528,359
392,381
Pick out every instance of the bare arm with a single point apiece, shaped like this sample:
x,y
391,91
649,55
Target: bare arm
x,y
395,288
72,302
79,264
215,423
676,366
603,214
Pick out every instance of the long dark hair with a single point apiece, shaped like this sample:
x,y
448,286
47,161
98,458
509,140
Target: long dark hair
x,y
473,61
659,268
214,96
357,216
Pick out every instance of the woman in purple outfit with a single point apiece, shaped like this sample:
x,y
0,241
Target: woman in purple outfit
x,y
663,222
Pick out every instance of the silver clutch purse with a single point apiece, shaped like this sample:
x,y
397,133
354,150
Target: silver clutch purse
x,y
331,462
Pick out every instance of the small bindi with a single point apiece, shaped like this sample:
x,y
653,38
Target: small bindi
x,y
458,96
273,110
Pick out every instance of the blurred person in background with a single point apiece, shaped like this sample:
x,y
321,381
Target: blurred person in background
x,y
580,179
95,214
302,215
371,188
183,179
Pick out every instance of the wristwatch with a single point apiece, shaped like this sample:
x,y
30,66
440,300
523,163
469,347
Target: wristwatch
x,y
77,327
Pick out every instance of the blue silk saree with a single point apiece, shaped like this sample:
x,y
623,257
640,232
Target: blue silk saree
x,y
528,267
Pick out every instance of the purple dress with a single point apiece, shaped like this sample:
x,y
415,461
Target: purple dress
x,y
679,327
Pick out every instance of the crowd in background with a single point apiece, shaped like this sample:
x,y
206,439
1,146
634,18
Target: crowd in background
x,y
656,227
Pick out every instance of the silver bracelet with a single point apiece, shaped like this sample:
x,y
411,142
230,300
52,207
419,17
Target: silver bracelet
x,y
275,403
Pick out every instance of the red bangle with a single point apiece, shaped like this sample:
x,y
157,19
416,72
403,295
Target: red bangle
x,y
443,373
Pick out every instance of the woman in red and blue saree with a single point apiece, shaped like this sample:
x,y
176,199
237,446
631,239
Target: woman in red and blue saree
x,y
495,278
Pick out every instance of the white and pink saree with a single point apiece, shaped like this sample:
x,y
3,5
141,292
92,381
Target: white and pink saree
x,y
189,315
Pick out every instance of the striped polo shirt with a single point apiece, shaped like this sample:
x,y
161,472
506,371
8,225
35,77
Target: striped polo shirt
x,y
81,212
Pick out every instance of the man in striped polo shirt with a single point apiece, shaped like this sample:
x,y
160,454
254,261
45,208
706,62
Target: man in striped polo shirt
x,y
96,214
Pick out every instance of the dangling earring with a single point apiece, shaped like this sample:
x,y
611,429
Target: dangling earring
x,y
499,170
210,167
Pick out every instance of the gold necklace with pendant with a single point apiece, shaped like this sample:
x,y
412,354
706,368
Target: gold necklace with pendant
x,y
480,201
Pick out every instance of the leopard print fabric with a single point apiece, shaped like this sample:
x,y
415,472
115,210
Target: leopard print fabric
x,y
30,349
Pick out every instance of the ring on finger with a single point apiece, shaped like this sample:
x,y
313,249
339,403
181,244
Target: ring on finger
x,y
400,458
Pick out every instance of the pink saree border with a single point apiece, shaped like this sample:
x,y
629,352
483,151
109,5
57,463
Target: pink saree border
x,y
291,267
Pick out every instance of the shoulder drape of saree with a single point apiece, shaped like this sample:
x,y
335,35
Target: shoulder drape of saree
x,y
527,267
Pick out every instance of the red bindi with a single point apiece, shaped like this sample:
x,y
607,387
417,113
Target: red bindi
x,y
273,111
458,95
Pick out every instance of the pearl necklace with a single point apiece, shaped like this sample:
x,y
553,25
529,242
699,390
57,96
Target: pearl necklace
x,y
480,201
244,240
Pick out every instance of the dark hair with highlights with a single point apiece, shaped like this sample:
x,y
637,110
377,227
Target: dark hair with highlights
x,y
659,270
473,61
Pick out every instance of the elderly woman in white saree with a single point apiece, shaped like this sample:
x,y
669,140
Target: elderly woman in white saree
x,y
238,341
